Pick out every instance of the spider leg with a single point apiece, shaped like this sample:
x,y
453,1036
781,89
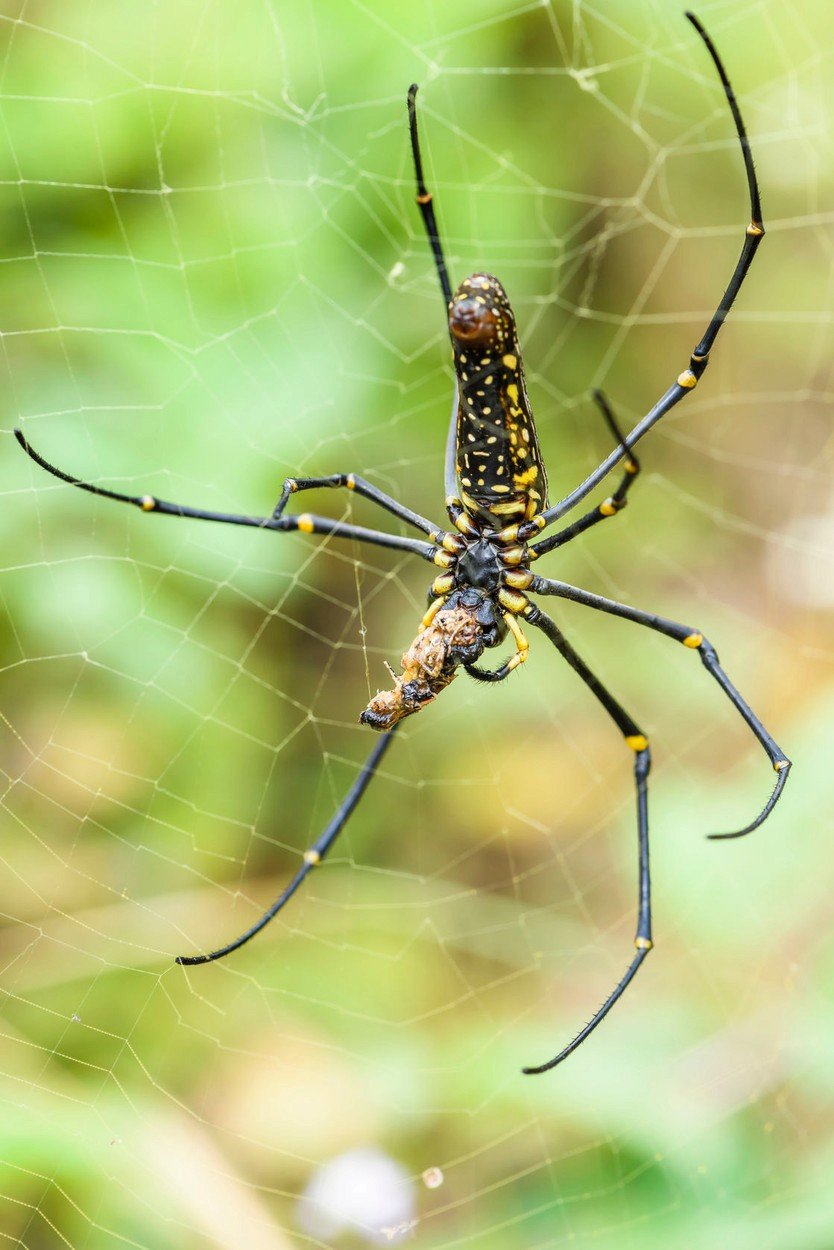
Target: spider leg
x,y
313,856
432,610
610,506
698,361
696,640
515,605
305,522
638,743
426,207
424,199
360,486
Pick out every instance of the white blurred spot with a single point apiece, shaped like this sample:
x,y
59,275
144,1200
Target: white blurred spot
x,y
802,566
363,1192
432,1178
396,271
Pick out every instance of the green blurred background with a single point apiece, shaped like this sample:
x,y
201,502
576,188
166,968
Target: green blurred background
x,y
213,275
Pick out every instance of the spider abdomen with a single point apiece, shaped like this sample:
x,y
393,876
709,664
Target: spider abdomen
x,y
499,465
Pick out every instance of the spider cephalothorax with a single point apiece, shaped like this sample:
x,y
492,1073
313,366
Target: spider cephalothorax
x,y
468,612
497,504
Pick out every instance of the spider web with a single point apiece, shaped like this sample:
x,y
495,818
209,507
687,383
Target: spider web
x,y
213,275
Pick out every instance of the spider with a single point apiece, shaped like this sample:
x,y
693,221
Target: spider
x,y
497,502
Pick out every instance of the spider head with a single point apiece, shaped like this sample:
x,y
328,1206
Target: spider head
x,y
480,314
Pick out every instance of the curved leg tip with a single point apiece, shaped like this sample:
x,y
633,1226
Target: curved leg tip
x,y
616,993
544,1067
187,961
24,443
783,767
488,674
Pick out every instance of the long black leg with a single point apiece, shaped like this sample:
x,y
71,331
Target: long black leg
x,y
696,640
699,359
350,481
426,206
312,857
638,743
424,199
305,522
610,506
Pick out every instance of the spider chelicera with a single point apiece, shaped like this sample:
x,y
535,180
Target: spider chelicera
x,y
497,503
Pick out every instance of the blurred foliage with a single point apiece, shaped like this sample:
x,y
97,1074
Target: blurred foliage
x,y
213,275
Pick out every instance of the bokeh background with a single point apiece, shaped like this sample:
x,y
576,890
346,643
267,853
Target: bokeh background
x,y
213,275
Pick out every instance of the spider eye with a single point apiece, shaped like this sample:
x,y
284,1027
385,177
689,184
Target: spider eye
x,y
471,320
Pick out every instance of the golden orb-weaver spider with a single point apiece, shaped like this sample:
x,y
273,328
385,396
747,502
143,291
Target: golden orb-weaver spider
x,y
497,502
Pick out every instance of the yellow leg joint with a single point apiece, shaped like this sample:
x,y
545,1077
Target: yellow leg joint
x,y
148,503
643,944
432,613
466,525
518,579
452,543
517,633
694,640
607,507
687,379
780,765
637,742
442,586
513,555
513,600
522,645
305,523
351,482
312,858
755,229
